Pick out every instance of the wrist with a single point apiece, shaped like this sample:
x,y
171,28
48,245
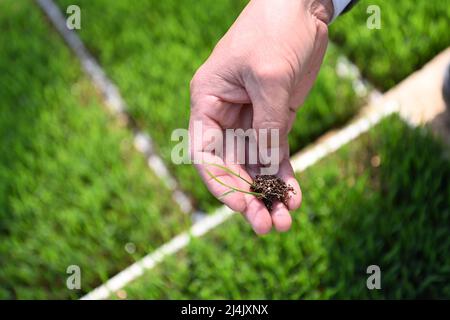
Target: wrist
x,y
323,10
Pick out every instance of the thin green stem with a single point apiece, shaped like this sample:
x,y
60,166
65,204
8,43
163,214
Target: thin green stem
x,y
223,195
233,188
229,171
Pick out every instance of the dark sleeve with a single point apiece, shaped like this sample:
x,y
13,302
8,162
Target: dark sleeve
x,y
350,5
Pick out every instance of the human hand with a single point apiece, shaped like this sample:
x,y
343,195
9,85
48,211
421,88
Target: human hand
x,y
256,77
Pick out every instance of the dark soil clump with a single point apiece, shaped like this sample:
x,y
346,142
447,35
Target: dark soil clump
x,y
272,189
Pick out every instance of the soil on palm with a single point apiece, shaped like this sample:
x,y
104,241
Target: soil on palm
x,y
272,189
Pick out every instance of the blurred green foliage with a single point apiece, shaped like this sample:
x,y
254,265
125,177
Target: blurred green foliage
x,y
383,200
152,48
411,34
72,190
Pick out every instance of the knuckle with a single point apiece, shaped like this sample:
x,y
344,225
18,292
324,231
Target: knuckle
x,y
269,72
194,85
198,79
278,125
271,124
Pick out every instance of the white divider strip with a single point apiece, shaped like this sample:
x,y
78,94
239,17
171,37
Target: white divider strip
x,y
347,69
306,158
300,162
151,260
114,102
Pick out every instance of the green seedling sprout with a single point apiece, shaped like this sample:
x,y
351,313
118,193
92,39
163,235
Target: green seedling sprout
x,y
232,189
